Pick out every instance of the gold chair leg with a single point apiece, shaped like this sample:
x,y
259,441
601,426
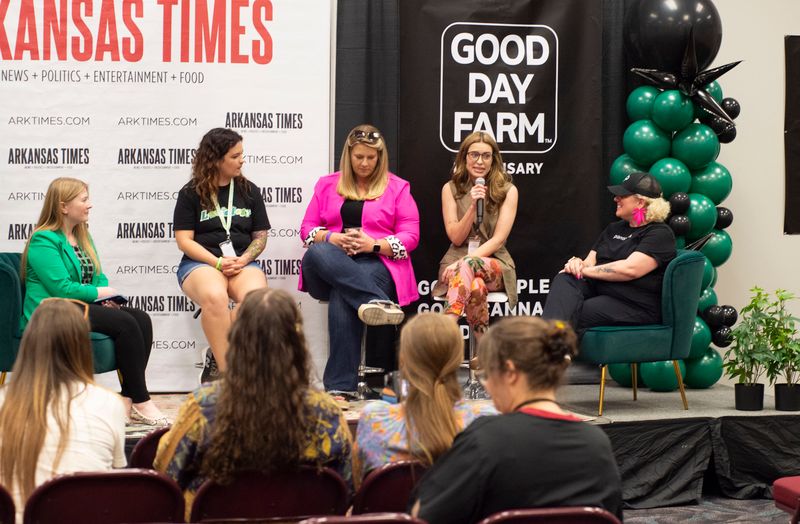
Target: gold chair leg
x,y
2,378
634,378
680,383
119,376
602,389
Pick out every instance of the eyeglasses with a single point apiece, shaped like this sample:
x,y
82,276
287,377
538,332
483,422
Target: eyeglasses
x,y
359,135
475,155
82,305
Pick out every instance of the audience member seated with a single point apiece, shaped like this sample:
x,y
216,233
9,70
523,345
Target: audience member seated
x,y
619,281
423,426
60,260
533,455
477,260
262,414
360,226
221,227
53,418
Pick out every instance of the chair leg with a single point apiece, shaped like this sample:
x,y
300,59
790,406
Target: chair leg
x,y
362,390
602,389
634,378
2,378
473,389
119,376
680,383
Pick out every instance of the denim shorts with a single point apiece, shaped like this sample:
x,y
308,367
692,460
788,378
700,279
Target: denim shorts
x,y
188,265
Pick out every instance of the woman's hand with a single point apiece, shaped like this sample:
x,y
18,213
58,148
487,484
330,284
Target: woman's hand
x,y
231,266
574,266
478,192
356,241
449,272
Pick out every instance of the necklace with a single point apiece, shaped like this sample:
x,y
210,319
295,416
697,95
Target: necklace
x,y
532,400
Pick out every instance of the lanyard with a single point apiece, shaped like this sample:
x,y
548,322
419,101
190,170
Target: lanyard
x,y
226,225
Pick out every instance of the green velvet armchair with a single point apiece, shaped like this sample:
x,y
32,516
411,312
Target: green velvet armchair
x,y
669,340
11,295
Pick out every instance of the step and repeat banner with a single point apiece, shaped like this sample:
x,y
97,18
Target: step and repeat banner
x,y
118,93
529,73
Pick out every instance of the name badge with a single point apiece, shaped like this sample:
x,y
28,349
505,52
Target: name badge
x,y
227,248
474,243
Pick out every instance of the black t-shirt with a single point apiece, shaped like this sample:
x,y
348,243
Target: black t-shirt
x,y
249,214
618,241
521,460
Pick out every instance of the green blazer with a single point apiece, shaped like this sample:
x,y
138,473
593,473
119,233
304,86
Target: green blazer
x,y
53,270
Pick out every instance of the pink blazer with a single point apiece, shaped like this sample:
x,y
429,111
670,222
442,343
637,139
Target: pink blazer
x,y
393,213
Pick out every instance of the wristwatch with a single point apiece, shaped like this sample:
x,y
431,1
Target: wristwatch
x,y
376,247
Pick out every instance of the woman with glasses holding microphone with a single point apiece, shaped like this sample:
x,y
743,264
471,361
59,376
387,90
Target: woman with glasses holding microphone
x,y
359,228
479,205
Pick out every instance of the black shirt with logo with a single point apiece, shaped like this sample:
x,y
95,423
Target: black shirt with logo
x,y
618,241
249,214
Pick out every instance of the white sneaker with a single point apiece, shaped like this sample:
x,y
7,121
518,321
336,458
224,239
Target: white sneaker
x,y
380,313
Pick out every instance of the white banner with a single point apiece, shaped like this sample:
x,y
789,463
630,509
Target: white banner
x,y
119,93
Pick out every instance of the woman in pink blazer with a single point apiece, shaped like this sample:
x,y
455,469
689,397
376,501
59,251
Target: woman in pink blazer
x,y
359,228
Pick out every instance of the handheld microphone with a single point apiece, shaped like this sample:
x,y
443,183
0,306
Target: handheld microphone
x,y
479,211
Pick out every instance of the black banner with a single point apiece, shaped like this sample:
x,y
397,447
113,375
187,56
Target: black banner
x,y
791,136
528,72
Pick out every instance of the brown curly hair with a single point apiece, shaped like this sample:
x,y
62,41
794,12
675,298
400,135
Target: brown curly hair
x,y
213,147
498,181
262,421
540,349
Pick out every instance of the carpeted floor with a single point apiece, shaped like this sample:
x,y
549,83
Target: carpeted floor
x,y
711,510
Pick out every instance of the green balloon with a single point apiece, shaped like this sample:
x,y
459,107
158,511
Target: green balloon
x,y
623,166
673,175
705,371
713,181
640,102
645,142
660,376
708,274
708,298
701,338
680,242
621,373
714,279
718,248
696,146
672,110
713,89
703,215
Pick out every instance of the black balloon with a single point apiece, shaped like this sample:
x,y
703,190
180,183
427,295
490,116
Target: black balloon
x,y
724,218
717,124
657,32
680,224
731,106
729,315
679,203
713,316
727,136
722,337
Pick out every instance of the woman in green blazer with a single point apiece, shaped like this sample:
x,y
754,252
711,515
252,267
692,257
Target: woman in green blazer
x,y
60,260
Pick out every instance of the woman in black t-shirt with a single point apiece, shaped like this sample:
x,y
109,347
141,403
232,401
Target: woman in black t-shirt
x,y
619,281
221,226
533,455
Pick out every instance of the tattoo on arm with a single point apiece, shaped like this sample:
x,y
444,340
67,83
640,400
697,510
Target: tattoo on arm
x,y
605,268
257,245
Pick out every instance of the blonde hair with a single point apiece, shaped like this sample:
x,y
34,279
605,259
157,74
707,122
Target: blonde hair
x,y
657,208
380,177
431,350
498,181
55,353
60,191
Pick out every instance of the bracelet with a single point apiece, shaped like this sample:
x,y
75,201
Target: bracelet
x,y
328,236
219,264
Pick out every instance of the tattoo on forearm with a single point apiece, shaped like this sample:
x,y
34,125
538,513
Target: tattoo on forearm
x,y
604,269
257,245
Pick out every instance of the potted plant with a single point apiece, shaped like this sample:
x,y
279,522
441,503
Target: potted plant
x,y
749,354
781,330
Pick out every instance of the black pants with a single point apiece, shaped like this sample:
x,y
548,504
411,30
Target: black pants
x,y
132,332
583,303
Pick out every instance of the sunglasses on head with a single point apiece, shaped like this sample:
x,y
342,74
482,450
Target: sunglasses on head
x,y
359,135
83,306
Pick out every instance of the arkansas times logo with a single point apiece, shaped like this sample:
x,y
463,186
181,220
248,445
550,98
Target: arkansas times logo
x,y
145,232
162,305
501,79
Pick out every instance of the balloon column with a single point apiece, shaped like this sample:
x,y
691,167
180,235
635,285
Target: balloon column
x,y
677,125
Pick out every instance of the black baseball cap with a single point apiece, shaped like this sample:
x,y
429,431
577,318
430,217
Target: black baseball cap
x,y
638,183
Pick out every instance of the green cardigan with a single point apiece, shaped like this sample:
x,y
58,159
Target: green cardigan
x,y
53,270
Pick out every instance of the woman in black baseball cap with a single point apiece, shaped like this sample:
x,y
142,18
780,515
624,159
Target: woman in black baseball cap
x,y
619,281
